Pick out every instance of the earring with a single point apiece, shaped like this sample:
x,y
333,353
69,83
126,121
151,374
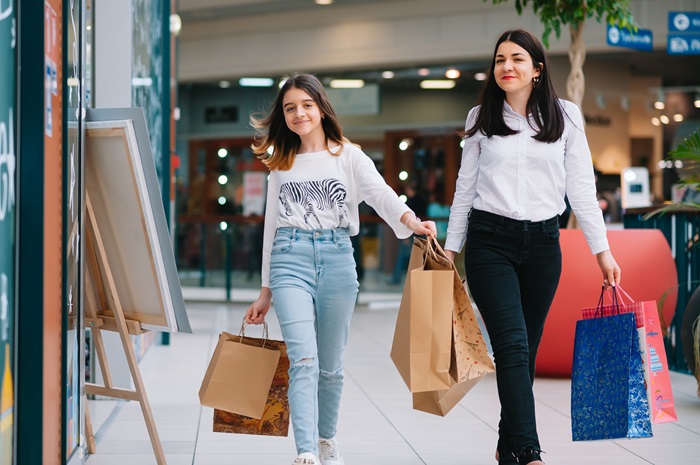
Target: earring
x,y
536,79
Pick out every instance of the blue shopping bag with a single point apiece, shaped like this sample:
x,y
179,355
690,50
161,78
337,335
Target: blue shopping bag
x,y
608,395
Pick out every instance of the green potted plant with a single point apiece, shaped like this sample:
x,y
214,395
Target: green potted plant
x,y
688,152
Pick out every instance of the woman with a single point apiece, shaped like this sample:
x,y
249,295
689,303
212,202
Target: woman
x,y
317,180
524,150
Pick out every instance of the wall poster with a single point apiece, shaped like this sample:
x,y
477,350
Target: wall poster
x,y
8,125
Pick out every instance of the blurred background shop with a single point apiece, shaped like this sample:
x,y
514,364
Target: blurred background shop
x,y
402,75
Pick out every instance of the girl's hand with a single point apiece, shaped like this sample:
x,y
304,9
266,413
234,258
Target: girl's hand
x,y
426,228
258,309
609,267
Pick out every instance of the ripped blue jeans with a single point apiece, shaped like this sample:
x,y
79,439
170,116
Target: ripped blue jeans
x,y
314,287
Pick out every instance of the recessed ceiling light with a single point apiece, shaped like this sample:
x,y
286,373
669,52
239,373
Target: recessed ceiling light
x,y
255,82
480,76
347,83
324,2
224,84
452,73
388,75
437,84
424,72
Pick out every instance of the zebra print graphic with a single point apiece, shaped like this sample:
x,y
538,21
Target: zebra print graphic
x,y
315,195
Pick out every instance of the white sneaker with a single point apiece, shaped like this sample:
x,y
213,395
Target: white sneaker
x,y
328,450
307,458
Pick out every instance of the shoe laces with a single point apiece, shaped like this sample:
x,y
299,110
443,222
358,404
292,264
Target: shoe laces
x,y
328,449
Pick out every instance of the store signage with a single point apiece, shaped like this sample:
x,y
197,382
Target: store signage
x,y
642,39
683,21
683,33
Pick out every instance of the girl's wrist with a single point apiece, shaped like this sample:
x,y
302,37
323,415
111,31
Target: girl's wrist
x,y
409,218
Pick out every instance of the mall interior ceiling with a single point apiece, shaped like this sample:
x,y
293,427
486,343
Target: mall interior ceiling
x,y
674,70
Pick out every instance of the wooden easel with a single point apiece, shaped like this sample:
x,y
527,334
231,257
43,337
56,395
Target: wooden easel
x,y
98,318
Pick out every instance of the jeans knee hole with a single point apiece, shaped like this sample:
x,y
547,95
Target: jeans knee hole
x,y
305,362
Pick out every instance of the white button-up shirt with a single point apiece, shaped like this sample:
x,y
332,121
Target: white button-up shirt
x,y
521,178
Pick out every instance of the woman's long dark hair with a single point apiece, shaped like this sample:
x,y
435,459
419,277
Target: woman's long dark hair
x,y
272,130
543,103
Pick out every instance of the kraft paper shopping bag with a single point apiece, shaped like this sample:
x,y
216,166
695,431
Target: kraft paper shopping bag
x,y
422,345
239,375
469,360
275,417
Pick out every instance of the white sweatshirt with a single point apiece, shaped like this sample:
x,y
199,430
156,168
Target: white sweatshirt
x,y
323,191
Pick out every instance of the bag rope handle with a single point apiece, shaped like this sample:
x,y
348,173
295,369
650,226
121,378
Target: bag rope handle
x,y
266,333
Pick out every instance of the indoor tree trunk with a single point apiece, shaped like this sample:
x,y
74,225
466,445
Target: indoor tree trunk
x,y
576,83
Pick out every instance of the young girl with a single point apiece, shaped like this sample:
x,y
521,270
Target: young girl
x,y
524,150
317,180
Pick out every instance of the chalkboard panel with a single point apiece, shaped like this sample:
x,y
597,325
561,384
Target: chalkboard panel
x,y
122,186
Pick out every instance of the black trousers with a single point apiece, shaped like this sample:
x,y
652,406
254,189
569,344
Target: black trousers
x,y
513,270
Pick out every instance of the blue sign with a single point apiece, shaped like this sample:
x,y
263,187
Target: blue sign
x,y
622,37
683,44
683,21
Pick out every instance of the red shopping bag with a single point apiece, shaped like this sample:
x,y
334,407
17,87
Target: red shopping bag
x,y
651,345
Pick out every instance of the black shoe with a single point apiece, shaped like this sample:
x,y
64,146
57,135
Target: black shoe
x,y
528,456
505,458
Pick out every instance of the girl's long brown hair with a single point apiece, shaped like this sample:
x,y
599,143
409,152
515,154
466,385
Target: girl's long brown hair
x,y
272,130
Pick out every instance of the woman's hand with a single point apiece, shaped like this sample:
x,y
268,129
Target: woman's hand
x,y
451,255
609,267
426,228
258,309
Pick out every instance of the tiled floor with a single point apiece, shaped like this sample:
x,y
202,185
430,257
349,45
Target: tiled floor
x,y
377,424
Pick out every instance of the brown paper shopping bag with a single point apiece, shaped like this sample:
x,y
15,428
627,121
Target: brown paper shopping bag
x,y
440,402
239,375
275,417
470,360
422,348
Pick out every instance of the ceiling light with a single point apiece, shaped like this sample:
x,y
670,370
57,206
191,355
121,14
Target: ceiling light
x,y
696,103
403,175
324,2
388,75
664,119
677,117
656,121
255,82
480,76
424,72
452,73
437,84
659,103
405,144
224,84
222,153
347,83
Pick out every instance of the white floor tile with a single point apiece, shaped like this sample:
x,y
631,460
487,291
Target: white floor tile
x,y
377,424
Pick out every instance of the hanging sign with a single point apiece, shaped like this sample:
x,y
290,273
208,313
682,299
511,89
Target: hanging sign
x,y
642,39
683,33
